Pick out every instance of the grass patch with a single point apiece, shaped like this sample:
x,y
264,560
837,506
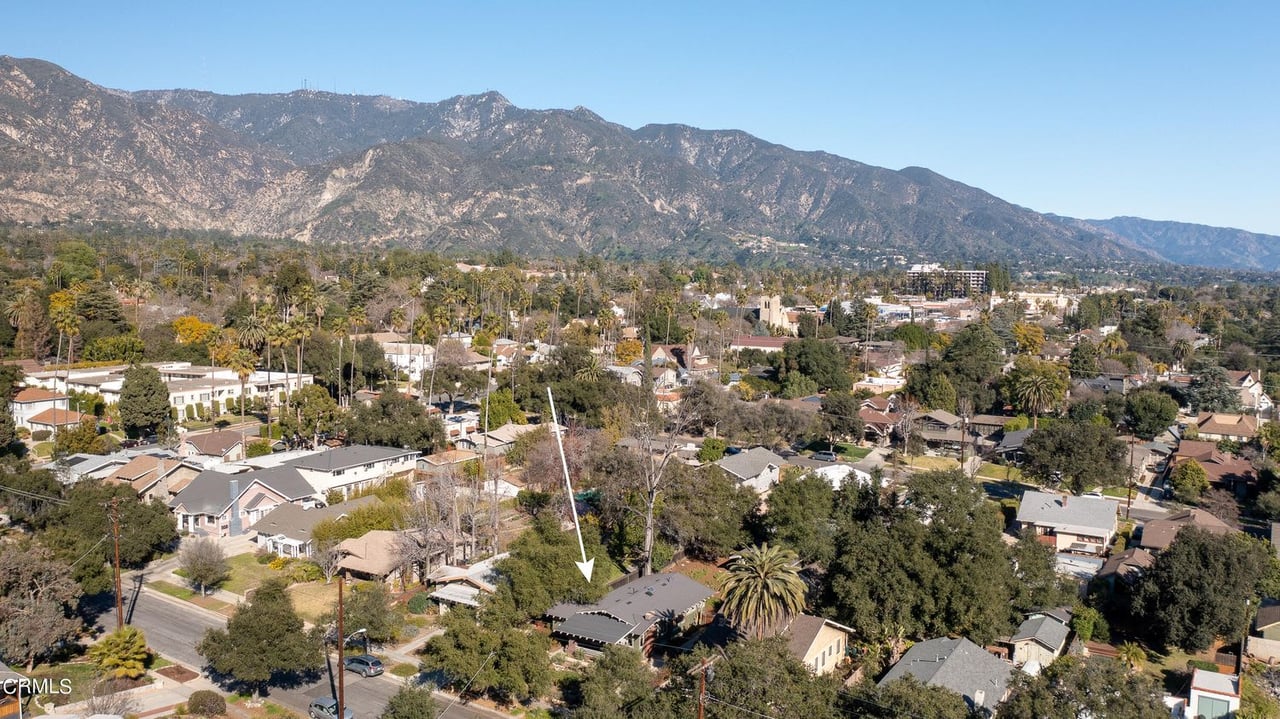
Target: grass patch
x,y
182,573
1119,492
247,574
404,670
158,662
852,451
172,590
314,600
1000,471
81,675
43,449
931,463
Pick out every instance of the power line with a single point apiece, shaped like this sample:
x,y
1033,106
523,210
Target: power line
x,y
468,685
743,709
90,550
33,495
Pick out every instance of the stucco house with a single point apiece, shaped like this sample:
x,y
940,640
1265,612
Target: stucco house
x,y
55,420
31,401
1215,426
1078,525
1249,384
1213,695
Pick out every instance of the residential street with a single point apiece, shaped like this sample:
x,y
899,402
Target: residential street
x,y
174,627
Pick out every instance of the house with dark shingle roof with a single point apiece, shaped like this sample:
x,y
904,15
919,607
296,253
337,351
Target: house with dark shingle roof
x,y
217,504
1041,638
286,529
637,614
1126,566
354,468
958,665
1079,525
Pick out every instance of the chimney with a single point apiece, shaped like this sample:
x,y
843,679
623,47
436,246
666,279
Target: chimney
x,y
233,527
979,698
1064,500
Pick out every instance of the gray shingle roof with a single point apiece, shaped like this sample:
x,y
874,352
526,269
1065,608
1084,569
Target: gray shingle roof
x,y
351,456
1068,513
210,491
640,604
594,627
751,463
296,522
956,664
1044,630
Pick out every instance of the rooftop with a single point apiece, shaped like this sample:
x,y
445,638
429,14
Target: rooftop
x,y
350,456
958,665
1067,513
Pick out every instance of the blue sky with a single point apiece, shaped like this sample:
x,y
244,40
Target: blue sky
x,y
1166,110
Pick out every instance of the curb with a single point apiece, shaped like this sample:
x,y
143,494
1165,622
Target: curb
x,y
183,603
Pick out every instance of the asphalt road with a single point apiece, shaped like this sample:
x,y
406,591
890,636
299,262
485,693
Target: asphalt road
x,y
173,628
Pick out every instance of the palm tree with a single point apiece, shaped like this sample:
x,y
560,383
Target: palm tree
x,y
1182,349
1131,655
139,290
763,590
592,371
1035,392
242,362
251,331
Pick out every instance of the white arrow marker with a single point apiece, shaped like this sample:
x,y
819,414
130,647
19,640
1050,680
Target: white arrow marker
x,y
586,565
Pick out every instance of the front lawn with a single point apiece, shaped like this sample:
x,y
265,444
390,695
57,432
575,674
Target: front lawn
x,y
1000,471
1120,492
172,590
247,574
314,600
930,463
853,452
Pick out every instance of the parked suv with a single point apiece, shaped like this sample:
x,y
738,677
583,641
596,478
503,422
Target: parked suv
x,y
363,664
826,456
327,708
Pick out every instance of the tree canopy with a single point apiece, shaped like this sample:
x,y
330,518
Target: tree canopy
x,y
263,641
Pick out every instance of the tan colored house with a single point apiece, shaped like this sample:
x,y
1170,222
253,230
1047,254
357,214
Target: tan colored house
x,y
1249,384
223,446
1216,426
1041,638
1266,623
1158,534
154,477
820,644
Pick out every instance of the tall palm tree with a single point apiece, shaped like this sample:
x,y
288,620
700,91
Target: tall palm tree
x,y
242,362
1035,392
251,331
1182,349
763,590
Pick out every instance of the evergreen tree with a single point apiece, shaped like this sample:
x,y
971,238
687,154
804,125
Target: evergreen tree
x,y
144,400
264,640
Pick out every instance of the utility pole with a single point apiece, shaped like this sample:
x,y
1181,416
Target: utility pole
x,y
342,640
703,669
114,510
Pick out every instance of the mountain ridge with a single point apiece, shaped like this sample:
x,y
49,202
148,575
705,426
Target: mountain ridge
x,y
475,172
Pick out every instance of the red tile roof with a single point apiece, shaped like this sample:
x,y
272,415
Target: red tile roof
x,y
37,394
59,418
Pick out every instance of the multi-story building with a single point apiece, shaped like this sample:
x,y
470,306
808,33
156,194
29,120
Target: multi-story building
x,y
933,280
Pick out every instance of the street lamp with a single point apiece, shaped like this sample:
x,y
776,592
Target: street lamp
x,y
453,400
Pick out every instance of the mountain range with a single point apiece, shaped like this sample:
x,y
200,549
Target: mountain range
x,y
475,172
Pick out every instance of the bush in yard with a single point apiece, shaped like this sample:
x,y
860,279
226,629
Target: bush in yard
x,y
204,702
265,557
278,563
419,603
41,435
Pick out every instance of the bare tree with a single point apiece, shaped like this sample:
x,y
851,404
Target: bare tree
x,y
426,533
656,448
327,557
104,699
204,562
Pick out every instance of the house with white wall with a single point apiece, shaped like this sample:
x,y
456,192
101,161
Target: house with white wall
x,y
354,468
31,401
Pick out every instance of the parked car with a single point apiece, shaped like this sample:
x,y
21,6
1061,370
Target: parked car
x,y
129,443
363,664
826,456
327,708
